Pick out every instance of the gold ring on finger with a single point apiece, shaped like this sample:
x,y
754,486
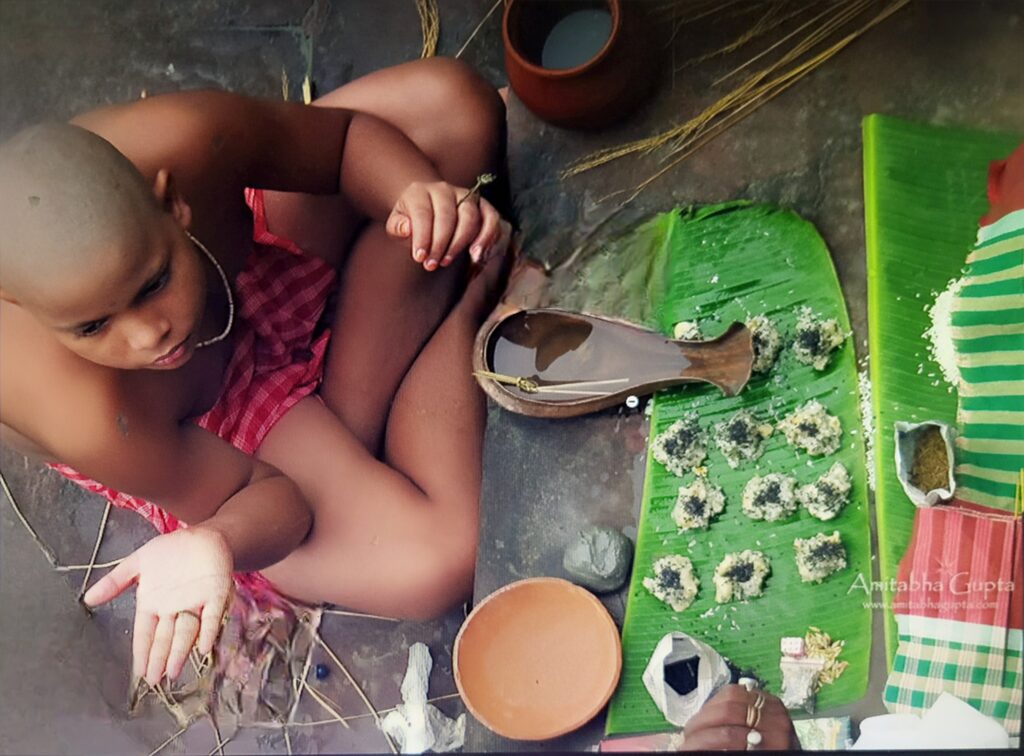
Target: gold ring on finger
x,y
187,613
759,701
757,717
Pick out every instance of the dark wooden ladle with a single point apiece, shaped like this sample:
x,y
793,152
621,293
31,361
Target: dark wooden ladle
x,y
555,363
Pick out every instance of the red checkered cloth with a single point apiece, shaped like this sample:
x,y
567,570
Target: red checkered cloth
x,y
278,359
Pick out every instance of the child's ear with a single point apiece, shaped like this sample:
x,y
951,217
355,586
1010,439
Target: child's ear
x,y
165,188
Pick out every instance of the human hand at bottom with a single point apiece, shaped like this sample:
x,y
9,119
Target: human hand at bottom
x,y
184,585
726,720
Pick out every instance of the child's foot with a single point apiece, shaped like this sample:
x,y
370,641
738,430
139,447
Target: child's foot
x,y
526,289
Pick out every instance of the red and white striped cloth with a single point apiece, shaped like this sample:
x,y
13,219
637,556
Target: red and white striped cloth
x,y
278,358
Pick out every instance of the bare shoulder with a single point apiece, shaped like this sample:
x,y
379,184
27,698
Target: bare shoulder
x,y
243,140
121,428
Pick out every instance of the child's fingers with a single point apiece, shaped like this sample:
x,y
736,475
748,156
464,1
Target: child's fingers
x,y
186,628
159,650
490,229
465,231
445,219
421,216
114,582
398,225
142,640
210,627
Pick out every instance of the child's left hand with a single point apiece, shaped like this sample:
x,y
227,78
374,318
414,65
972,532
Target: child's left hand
x,y
442,220
184,585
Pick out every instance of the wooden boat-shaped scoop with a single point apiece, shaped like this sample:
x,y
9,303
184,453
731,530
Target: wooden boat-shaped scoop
x,y
555,363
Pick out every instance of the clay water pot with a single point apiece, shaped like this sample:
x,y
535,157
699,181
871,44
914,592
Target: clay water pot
x,y
597,91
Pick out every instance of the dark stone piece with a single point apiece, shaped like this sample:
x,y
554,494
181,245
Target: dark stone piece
x,y
322,671
681,675
599,558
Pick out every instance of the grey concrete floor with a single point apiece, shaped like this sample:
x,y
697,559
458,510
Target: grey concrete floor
x,y
63,677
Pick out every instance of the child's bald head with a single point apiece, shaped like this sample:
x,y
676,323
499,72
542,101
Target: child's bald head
x,y
69,202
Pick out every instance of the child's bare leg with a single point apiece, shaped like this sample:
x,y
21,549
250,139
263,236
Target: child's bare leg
x,y
398,537
388,305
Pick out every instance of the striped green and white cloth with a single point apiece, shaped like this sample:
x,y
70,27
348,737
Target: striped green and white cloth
x,y
988,332
979,665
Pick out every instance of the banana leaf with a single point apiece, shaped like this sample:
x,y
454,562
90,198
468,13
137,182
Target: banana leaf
x,y
715,265
924,191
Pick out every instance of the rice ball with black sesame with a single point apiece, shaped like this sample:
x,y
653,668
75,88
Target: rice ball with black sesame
x,y
674,582
681,446
826,497
767,343
770,497
741,575
819,556
740,437
816,338
696,504
810,427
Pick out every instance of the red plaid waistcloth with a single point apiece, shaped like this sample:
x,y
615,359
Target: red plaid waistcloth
x,y
278,359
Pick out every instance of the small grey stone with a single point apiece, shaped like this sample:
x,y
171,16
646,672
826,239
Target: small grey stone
x,y
599,558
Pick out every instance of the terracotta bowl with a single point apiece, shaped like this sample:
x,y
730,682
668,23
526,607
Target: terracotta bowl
x,y
537,659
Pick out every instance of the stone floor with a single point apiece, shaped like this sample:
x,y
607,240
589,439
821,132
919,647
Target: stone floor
x,y
63,676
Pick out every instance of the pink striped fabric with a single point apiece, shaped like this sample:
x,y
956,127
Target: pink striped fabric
x,y
963,563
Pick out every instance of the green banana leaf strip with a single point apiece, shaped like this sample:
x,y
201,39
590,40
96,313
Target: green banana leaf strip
x,y
924,191
718,264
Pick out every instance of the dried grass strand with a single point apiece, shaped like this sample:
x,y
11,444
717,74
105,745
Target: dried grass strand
x,y
765,94
167,742
764,25
343,613
95,550
79,567
478,27
348,675
741,101
50,556
430,25
331,707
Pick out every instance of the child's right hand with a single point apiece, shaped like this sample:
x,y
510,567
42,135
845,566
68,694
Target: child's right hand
x,y
442,220
184,585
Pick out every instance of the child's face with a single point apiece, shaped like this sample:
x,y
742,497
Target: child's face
x,y
142,312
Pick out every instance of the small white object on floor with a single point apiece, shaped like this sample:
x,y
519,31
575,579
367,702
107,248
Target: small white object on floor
x,y
415,725
949,723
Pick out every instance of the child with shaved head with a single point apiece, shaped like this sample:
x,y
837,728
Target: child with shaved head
x,y
254,319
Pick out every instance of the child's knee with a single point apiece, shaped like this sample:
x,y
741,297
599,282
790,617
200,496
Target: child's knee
x,y
470,114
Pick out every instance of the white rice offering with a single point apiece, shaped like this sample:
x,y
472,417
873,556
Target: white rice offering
x,y
674,582
811,428
826,497
681,447
740,437
816,338
770,497
696,504
819,556
687,330
741,575
767,343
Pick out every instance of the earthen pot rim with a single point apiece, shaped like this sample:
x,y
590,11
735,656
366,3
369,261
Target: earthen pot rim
x,y
562,73
602,614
